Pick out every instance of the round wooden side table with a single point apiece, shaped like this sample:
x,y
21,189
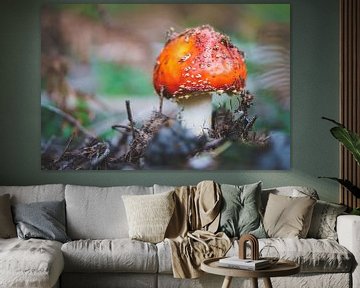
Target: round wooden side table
x,y
281,268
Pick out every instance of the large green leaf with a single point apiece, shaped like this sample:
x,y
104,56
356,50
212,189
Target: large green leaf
x,y
349,139
347,184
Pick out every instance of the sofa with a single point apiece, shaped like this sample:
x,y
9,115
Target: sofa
x,y
100,253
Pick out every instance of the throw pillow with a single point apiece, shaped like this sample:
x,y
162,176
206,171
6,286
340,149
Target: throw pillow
x,y
292,191
149,215
240,213
323,222
43,220
7,227
288,217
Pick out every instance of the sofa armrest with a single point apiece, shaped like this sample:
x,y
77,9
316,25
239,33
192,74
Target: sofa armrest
x,y
348,230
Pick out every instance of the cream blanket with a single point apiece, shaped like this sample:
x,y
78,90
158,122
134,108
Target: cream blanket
x,y
191,231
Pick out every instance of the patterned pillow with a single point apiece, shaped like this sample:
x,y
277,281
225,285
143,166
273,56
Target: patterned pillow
x,y
323,222
240,213
149,215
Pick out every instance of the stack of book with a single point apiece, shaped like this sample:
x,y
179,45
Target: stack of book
x,y
248,264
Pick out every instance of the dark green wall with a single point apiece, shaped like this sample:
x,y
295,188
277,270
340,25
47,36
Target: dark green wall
x,y
315,70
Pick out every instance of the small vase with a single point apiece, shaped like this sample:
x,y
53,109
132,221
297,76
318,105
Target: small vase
x,y
270,253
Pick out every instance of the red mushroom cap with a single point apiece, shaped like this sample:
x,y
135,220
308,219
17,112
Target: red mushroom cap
x,y
199,60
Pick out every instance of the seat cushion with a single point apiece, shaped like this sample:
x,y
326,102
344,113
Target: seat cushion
x,y
98,213
108,280
117,255
313,255
164,257
30,263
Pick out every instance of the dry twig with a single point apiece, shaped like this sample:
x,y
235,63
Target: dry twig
x,y
69,119
129,114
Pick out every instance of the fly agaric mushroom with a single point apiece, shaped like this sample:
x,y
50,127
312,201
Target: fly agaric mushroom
x,y
193,64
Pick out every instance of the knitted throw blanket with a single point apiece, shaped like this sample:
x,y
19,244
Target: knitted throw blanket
x,y
191,231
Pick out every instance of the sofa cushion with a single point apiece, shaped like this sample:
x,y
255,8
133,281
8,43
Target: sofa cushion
x,y
240,210
109,280
43,220
163,188
149,215
30,263
164,257
313,255
7,226
323,222
287,216
98,213
37,193
291,191
117,255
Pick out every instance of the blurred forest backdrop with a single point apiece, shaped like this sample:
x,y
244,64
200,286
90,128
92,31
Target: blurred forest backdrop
x,y
97,56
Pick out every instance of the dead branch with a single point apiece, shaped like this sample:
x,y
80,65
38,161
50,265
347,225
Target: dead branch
x,y
213,144
69,119
127,128
128,110
66,148
250,124
99,159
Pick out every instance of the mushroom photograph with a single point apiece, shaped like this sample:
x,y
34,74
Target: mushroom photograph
x,y
165,87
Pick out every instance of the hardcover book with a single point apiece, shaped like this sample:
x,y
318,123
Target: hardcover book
x,y
236,262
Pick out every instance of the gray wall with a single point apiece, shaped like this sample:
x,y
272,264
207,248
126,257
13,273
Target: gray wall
x,y
314,94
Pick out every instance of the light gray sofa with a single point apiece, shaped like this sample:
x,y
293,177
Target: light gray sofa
x,y
101,255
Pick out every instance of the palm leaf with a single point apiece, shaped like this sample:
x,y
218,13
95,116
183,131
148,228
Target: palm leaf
x,y
348,138
347,184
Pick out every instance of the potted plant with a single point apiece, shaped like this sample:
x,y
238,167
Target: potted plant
x,y
351,141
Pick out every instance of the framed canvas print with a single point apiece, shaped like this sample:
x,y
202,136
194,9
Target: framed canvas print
x,y
165,86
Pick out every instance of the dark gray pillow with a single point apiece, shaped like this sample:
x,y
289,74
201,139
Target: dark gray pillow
x,y
240,213
44,220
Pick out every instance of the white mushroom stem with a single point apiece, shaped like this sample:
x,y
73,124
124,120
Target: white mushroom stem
x,y
197,111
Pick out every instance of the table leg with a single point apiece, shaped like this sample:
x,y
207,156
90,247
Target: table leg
x,y
227,282
267,283
254,282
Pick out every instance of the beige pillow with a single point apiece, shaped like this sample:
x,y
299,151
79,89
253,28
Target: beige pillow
x,y
149,215
288,217
7,226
